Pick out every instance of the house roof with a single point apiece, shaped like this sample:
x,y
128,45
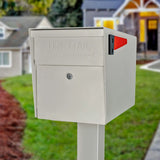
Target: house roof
x,y
157,2
19,35
102,4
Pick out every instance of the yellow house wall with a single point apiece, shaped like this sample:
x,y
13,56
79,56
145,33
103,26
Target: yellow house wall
x,y
131,5
148,14
143,26
142,29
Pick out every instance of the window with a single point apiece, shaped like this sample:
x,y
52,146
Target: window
x,y
2,33
111,23
108,24
98,23
5,59
152,24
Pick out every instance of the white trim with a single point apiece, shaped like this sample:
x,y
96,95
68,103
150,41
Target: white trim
x,y
146,66
3,32
10,59
121,19
147,3
127,11
152,1
121,8
84,17
142,3
106,18
157,3
29,63
134,2
21,60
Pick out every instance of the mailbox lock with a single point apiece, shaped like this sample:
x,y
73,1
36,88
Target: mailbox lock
x,y
69,76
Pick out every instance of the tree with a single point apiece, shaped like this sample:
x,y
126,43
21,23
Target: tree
x,y
12,7
12,10
3,6
66,13
23,7
40,7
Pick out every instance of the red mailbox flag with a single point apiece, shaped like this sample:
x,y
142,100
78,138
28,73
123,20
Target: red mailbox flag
x,y
119,42
116,42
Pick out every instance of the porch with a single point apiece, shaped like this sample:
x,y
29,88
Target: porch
x,y
149,55
140,18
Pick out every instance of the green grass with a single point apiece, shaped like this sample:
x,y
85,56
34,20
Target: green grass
x,y
127,137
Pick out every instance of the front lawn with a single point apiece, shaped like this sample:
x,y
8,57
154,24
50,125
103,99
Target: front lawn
x,y
127,137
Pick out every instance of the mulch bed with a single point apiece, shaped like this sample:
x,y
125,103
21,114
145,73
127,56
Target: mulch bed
x,y
12,124
143,61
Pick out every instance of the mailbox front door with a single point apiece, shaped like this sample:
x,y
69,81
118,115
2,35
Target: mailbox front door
x,y
65,91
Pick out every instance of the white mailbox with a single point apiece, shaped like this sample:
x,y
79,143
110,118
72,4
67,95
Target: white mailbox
x,y
84,75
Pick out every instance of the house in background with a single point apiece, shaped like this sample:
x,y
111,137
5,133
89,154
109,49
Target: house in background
x,y
137,17
15,58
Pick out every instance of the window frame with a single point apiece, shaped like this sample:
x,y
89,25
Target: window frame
x,y
3,32
10,59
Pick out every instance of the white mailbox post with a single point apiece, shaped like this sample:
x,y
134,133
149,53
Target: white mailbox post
x,y
83,75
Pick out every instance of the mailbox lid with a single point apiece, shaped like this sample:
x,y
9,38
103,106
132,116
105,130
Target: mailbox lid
x,y
68,32
80,99
69,47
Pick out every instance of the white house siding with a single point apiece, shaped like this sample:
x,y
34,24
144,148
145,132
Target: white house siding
x,y
16,64
21,58
44,24
26,57
26,63
7,32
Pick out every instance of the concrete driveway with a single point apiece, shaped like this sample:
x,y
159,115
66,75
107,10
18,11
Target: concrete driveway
x,y
153,66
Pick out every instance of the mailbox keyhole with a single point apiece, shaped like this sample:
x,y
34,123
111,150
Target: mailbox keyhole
x,y
69,76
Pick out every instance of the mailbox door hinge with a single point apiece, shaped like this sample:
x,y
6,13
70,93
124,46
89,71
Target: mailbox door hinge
x,y
111,44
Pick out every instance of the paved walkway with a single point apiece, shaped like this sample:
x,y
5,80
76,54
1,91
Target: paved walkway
x,y
153,66
150,55
154,150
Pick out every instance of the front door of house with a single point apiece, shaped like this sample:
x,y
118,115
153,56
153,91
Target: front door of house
x,y
152,34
